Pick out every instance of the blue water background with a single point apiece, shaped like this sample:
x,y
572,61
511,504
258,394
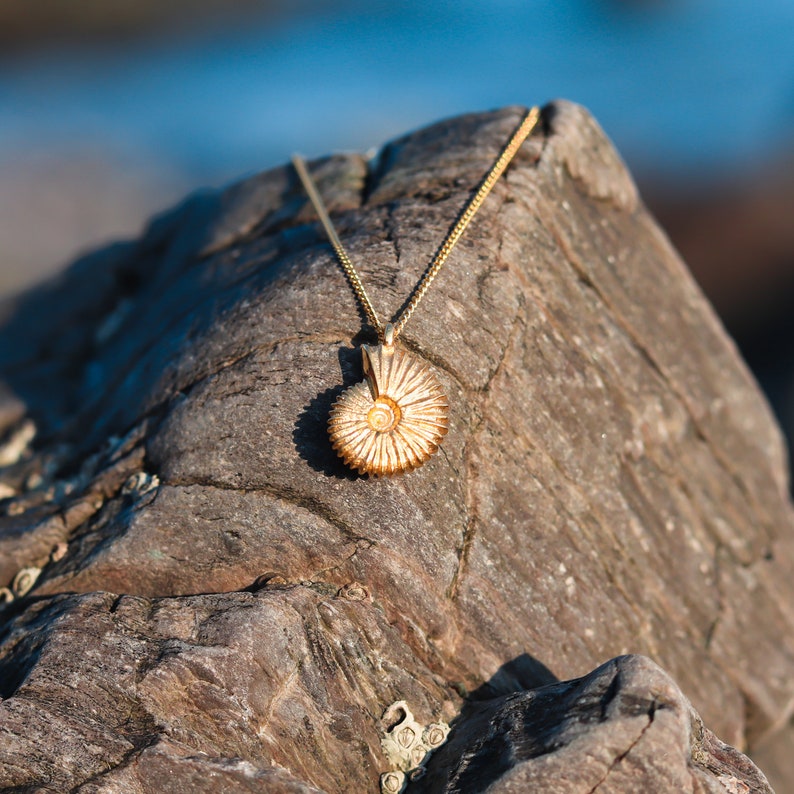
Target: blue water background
x,y
682,87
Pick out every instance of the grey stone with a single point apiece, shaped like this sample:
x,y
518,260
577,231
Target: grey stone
x,y
612,481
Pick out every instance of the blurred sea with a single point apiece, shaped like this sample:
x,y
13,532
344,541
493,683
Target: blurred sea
x,y
94,139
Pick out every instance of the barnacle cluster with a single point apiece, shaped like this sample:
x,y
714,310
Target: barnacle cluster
x,y
407,745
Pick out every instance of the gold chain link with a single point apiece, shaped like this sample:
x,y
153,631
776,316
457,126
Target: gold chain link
x,y
507,154
341,254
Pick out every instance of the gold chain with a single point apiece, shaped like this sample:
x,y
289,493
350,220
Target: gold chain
x,y
507,154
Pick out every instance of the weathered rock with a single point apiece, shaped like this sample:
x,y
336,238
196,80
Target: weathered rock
x,y
773,755
624,727
612,481
283,677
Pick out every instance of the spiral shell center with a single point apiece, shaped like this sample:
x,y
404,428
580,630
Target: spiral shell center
x,y
384,415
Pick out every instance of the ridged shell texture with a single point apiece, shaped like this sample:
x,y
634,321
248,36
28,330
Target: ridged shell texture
x,y
393,421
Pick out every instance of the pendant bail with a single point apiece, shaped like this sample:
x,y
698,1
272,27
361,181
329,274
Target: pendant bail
x,y
388,335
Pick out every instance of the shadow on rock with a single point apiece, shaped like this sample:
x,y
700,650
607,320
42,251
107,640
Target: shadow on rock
x,y
310,435
519,674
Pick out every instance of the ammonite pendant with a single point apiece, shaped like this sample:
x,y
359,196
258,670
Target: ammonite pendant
x,y
393,421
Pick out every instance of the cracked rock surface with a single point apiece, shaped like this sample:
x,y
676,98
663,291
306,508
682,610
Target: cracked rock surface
x,y
221,603
624,727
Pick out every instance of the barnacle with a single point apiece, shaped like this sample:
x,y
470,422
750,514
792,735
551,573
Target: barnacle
x,y
140,483
407,745
24,581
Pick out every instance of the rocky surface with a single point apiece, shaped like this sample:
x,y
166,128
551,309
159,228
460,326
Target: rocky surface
x,y
624,727
221,600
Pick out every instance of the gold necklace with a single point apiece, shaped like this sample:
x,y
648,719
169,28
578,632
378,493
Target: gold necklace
x,y
394,420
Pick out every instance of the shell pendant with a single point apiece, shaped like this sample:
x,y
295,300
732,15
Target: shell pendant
x,y
394,420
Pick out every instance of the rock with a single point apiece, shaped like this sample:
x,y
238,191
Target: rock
x,y
774,756
235,604
111,692
625,727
